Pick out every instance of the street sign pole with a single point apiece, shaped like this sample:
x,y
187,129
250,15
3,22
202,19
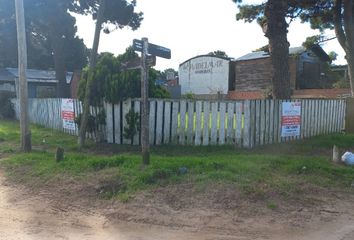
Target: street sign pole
x,y
145,147
149,52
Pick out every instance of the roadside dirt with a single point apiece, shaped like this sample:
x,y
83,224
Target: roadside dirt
x,y
173,213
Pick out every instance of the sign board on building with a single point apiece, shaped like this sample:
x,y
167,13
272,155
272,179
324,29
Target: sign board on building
x,y
68,114
291,119
205,75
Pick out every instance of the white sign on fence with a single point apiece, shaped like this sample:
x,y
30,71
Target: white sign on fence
x,y
67,113
291,119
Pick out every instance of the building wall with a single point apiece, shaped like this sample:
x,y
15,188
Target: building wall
x,y
7,87
74,85
204,75
251,75
256,74
311,77
322,93
297,94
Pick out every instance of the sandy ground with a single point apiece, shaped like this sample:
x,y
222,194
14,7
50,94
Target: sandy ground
x,y
27,216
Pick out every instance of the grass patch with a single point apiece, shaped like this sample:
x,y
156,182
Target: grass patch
x,y
288,171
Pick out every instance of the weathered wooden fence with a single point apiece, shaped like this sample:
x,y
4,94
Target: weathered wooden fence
x,y
247,123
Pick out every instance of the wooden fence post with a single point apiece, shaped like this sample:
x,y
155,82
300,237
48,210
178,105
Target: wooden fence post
x,y
349,116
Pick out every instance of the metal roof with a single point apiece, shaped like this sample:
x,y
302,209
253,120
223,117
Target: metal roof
x,y
263,54
32,75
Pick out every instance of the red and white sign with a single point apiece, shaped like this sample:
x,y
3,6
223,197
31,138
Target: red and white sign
x,y
68,114
291,119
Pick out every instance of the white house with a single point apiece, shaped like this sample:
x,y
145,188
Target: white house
x,y
206,76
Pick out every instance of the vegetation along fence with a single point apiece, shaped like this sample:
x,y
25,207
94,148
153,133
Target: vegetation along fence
x,y
246,123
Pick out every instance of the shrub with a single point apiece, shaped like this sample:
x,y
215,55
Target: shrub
x,y
6,107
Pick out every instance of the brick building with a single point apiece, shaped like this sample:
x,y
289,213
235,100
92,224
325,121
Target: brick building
x,y
253,73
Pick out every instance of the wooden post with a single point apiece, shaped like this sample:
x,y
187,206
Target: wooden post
x,y
145,147
349,116
22,66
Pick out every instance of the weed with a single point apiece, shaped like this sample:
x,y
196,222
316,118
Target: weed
x,y
272,205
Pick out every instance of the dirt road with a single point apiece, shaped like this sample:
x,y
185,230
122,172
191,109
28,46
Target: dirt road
x,y
24,216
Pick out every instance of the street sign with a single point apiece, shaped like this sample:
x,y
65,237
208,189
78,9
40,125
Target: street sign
x,y
138,45
159,51
135,63
153,49
151,60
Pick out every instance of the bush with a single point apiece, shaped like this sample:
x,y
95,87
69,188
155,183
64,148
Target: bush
x,y
93,122
6,107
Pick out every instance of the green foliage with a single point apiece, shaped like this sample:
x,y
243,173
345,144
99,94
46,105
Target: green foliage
x,y
113,83
282,169
6,107
341,83
189,96
250,13
118,13
93,122
218,53
133,125
99,164
264,49
45,21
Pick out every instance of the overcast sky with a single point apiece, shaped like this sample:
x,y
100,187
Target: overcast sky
x,y
194,27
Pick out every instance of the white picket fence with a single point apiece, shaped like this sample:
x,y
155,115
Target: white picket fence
x,y
246,123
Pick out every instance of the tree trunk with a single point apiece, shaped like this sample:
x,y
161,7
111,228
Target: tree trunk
x,y
276,32
92,65
344,28
63,89
350,60
26,144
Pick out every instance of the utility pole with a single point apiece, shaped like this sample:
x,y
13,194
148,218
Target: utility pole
x,y
22,66
145,147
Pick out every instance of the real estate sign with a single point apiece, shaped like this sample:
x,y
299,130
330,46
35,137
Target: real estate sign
x,y
291,119
68,114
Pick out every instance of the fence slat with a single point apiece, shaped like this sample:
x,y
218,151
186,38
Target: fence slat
x,y
267,122
174,125
280,112
230,123
206,123
263,122
342,115
222,111
198,123
159,122
182,128
325,129
271,122
152,122
238,130
214,123
257,122
190,124
247,124
167,123
109,122
127,105
330,116
136,140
